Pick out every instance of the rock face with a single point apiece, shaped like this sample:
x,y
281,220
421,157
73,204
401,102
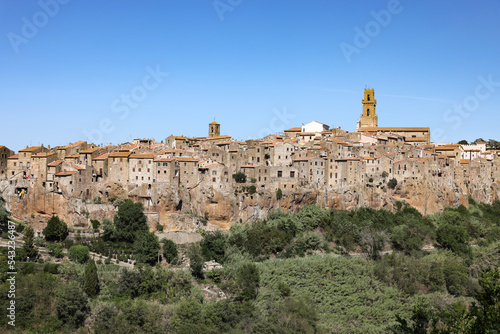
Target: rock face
x,y
187,210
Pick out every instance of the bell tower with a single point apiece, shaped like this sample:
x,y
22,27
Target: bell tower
x,y
214,129
369,117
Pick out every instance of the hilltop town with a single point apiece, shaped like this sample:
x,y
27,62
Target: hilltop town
x,y
213,181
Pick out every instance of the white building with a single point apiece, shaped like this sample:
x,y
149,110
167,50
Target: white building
x,y
314,127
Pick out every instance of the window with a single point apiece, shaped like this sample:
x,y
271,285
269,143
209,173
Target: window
x,y
139,169
367,112
280,173
292,173
133,169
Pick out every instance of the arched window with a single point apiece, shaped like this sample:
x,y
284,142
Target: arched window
x,y
368,97
367,112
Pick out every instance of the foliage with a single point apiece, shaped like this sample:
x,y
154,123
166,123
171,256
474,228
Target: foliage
x,y
91,280
279,194
159,228
4,216
79,253
240,177
29,249
56,230
392,183
195,260
108,230
213,246
463,142
384,174
169,250
253,180
129,221
72,304
95,224
146,248
247,281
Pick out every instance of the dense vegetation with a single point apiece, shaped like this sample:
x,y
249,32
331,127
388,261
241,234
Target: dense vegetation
x,y
314,271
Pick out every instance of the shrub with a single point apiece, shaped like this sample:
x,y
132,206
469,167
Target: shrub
x,y
240,177
56,230
252,190
79,253
129,221
51,268
159,228
146,248
56,250
169,250
253,180
97,200
95,224
279,194
72,304
392,183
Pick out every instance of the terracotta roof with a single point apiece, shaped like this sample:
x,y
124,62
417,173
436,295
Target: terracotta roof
x,y
102,157
164,159
90,150
119,154
296,129
307,134
43,155
73,156
416,139
348,159
15,156
77,167
464,161
66,173
30,149
72,145
186,159
55,163
217,137
214,122
148,155
303,159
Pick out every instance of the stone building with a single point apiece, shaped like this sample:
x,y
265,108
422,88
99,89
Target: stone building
x,y
5,153
140,168
214,129
118,167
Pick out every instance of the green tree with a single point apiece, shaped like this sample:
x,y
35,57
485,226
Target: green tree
x,y
392,183
4,216
91,280
385,174
129,221
72,304
213,246
95,223
56,230
463,142
146,248
279,194
486,313
240,177
56,250
247,279
169,250
79,253
196,261
108,230
29,249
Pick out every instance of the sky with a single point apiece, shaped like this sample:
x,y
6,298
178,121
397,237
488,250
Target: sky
x,y
111,71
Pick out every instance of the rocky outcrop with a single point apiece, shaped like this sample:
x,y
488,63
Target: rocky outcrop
x,y
187,210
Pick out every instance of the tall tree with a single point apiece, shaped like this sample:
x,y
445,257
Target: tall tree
x,y
147,248
56,229
29,249
129,221
91,280
4,216
169,250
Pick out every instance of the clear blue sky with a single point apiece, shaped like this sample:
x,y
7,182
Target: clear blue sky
x,y
262,59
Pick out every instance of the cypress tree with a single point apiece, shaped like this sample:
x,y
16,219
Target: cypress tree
x,y
91,280
29,248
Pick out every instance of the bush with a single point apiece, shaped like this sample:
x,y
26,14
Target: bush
x,y
56,230
97,200
129,221
95,224
253,180
56,250
169,250
392,183
252,190
196,261
72,304
240,177
79,253
159,228
51,268
279,194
